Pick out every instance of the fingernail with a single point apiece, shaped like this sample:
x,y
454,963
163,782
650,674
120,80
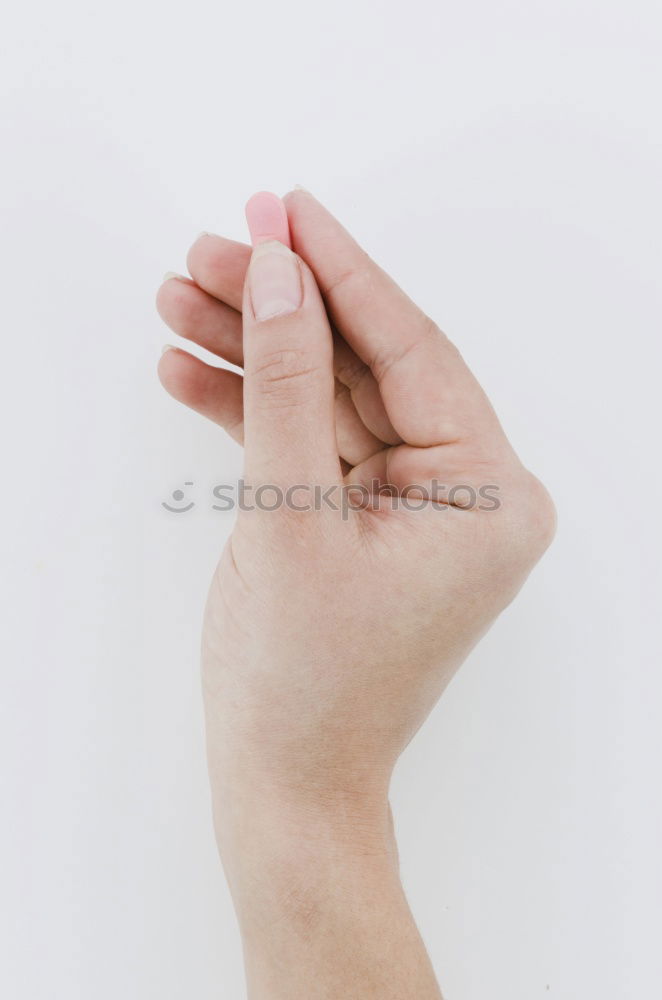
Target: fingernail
x,y
203,233
168,347
173,274
274,281
266,216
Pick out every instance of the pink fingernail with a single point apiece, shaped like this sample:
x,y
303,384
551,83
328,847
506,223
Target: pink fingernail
x,y
267,219
274,281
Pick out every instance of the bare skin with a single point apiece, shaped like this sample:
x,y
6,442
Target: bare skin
x,y
328,640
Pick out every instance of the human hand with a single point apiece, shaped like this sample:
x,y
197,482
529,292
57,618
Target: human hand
x,y
329,638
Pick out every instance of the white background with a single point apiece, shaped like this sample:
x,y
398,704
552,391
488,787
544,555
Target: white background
x,y
503,161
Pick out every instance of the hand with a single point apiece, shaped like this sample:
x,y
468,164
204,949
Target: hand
x,y
328,639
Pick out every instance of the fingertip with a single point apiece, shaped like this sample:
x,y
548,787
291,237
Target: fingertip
x,y
267,219
164,296
297,192
195,251
169,366
216,393
218,266
202,246
175,296
184,376
301,206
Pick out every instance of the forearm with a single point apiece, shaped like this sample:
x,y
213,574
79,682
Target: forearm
x,y
319,900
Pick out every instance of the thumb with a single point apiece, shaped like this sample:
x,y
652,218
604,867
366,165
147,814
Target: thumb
x,y
289,430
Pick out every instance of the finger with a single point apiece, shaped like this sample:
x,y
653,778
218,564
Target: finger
x,y
448,474
355,442
362,386
429,394
219,266
208,391
216,393
198,316
267,219
288,364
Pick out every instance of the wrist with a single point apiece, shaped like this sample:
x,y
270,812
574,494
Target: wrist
x,y
289,843
314,878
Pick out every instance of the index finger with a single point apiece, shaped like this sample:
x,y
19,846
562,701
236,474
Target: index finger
x,y
430,395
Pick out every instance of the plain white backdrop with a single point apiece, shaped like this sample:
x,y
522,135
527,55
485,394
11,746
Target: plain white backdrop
x,y
503,161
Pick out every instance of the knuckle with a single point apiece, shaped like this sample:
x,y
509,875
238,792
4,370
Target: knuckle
x,y
534,520
433,332
356,281
542,517
385,358
351,371
423,335
286,376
